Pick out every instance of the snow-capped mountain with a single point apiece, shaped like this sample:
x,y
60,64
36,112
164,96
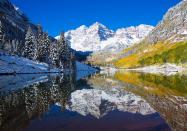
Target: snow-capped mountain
x,y
125,37
88,38
98,37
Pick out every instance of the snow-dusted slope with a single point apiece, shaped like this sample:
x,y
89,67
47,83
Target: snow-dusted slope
x,y
98,37
126,37
15,64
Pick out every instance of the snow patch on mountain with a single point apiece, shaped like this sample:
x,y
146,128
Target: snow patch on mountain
x,y
126,37
98,37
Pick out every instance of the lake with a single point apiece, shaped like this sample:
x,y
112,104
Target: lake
x,y
85,101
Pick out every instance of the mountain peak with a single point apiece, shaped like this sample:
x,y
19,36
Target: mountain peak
x,y
98,37
82,27
145,26
100,30
98,25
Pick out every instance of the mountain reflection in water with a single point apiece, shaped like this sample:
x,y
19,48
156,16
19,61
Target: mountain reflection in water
x,y
117,102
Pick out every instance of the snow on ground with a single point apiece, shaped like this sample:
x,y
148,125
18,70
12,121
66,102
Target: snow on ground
x,y
84,70
20,65
15,64
166,69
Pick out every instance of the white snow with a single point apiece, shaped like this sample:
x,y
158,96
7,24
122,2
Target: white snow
x,y
166,69
15,64
16,8
126,37
89,101
184,32
57,37
98,37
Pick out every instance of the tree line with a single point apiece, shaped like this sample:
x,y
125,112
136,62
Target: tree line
x,y
38,46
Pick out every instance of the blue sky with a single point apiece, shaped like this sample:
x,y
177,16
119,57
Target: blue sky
x,y
61,15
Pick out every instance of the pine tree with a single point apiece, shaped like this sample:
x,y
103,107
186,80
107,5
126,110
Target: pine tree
x,y
1,35
39,41
54,55
46,48
64,47
1,31
20,47
64,51
30,44
43,48
39,31
17,47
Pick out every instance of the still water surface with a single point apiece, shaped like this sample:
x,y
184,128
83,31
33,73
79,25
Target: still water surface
x,y
117,101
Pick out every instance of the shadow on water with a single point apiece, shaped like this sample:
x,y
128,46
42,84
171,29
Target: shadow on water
x,y
69,102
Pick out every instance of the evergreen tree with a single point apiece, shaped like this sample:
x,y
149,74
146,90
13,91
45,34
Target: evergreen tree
x,y
20,47
17,47
1,35
30,44
54,55
43,48
64,51
39,41
64,47
46,48
1,31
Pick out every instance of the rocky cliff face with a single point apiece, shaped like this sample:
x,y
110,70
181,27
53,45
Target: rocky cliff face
x,y
173,27
13,27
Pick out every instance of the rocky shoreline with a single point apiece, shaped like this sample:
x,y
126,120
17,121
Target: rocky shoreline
x,y
165,69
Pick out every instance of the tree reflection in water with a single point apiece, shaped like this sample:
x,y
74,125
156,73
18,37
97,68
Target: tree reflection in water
x,y
54,102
